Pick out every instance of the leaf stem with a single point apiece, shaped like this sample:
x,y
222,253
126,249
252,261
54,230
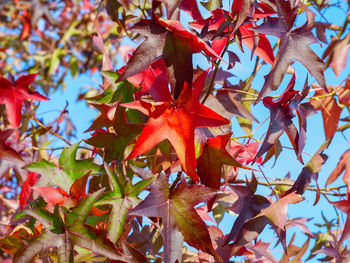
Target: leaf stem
x,y
250,136
177,179
239,91
322,96
212,81
262,172
290,148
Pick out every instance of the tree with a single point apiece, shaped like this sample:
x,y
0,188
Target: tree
x,y
175,147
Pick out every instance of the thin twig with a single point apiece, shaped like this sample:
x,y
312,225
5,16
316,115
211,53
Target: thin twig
x,y
262,172
290,148
324,191
217,64
48,129
54,149
239,91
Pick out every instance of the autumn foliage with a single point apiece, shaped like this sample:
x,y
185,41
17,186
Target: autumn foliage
x,y
183,145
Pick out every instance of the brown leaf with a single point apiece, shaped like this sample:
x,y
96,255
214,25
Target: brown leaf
x,y
339,54
330,111
343,93
6,152
343,165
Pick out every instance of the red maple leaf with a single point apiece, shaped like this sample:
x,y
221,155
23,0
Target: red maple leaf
x,y
329,109
244,153
13,95
6,152
169,40
26,190
52,196
153,80
342,166
214,156
176,121
257,42
281,112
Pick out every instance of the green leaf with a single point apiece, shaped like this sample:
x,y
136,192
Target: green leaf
x,y
112,7
77,217
42,243
74,67
113,145
55,59
117,217
76,233
58,223
135,190
121,91
122,198
44,216
212,4
115,182
88,239
68,170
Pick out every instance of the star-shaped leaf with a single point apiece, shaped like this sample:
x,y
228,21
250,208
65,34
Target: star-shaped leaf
x,y
13,95
114,144
169,40
247,206
66,234
26,189
281,115
180,219
122,198
294,46
257,42
310,171
275,214
66,172
176,121
214,156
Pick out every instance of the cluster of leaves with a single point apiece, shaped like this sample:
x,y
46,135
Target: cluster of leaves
x,y
162,160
